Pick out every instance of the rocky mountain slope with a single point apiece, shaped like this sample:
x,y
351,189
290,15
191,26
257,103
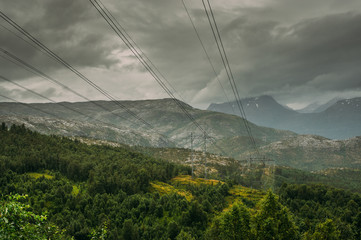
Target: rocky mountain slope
x,y
164,115
73,128
313,153
341,120
306,152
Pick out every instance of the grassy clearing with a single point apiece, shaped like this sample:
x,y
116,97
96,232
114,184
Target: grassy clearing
x,y
164,188
245,192
240,194
188,180
38,175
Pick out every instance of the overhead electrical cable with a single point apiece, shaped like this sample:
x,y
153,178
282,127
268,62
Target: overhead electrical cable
x,y
233,83
114,25
120,31
44,97
39,73
75,71
30,106
36,71
58,103
220,46
207,55
20,37
139,49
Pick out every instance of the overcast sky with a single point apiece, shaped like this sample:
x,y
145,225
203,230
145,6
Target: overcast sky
x,y
299,52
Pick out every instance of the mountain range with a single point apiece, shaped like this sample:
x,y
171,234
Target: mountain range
x,y
317,107
171,128
166,118
340,119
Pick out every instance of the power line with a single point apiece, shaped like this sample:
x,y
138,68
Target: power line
x,y
206,54
220,46
58,103
209,60
39,73
44,97
205,156
232,78
30,106
20,37
138,48
192,155
64,63
120,31
44,76
71,68
36,71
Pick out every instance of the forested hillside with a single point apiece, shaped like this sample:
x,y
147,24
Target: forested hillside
x,y
70,189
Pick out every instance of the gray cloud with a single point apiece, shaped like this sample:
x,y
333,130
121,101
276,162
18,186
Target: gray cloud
x,y
297,51
67,27
321,52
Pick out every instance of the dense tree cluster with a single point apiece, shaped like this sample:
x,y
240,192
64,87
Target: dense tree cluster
x,y
103,192
270,221
320,210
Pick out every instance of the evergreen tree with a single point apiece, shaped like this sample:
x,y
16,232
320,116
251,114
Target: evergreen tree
x,y
236,223
129,230
232,225
184,236
357,226
326,231
273,221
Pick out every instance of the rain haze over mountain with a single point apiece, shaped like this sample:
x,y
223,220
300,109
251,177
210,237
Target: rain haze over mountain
x,y
299,52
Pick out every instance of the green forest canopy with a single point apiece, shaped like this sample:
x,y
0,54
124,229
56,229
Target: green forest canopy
x,y
65,189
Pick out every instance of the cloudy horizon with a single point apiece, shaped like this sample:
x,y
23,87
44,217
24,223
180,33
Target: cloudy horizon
x,y
299,52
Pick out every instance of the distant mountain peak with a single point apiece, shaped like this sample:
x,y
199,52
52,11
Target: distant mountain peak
x,y
336,119
350,101
318,107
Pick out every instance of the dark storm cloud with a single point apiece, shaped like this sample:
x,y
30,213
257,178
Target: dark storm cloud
x,y
267,55
322,53
67,27
325,46
289,49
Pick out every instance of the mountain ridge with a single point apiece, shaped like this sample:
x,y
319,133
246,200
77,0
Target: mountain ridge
x,y
227,131
341,120
163,114
317,107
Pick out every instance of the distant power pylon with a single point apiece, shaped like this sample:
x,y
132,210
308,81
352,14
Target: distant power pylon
x,y
205,155
192,155
204,152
